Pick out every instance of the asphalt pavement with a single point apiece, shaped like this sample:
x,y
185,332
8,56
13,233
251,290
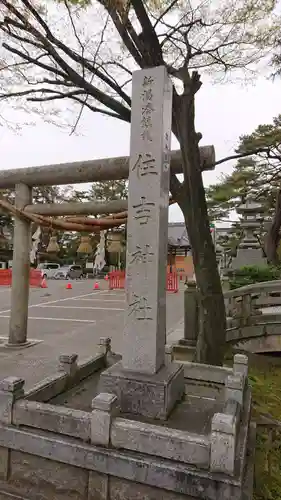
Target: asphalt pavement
x,y
63,321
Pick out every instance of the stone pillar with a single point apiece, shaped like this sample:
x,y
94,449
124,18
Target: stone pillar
x,y
21,267
223,443
147,228
68,364
104,346
191,313
142,382
234,387
11,389
168,354
104,408
240,365
225,283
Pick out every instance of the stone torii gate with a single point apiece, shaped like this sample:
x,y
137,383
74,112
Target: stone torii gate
x,y
24,179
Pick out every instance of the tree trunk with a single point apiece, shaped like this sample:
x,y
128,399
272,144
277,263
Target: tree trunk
x,y
273,237
191,199
212,324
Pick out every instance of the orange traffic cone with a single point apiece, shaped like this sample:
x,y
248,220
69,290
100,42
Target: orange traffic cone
x,y
44,283
69,286
96,286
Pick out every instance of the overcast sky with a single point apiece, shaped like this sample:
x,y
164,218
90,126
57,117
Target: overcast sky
x,y
223,113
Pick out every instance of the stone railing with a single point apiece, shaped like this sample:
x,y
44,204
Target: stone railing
x,y
249,300
252,311
69,373
85,452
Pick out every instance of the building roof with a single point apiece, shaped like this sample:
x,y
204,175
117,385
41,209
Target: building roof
x,y
177,235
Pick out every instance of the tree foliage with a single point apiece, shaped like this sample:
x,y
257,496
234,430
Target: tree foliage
x,y
276,57
87,54
111,190
257,176
100,191
224,196
68,241
253,274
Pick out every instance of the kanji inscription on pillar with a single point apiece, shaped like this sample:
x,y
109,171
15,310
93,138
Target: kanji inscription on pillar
x,y
147,229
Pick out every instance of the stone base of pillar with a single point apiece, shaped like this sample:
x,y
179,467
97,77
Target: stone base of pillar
x,y
23,345
151,396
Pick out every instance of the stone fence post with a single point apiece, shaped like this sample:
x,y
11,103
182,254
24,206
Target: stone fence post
x,y
246,309
225,425
68,364
240,365
104,346
11,389
168,354
191,313
234,388
104,408
225,283
223,443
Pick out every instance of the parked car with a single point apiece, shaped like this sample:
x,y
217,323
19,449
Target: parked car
x,y
69,272
49,269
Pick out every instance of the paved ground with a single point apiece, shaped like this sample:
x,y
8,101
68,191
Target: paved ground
x,y
68,321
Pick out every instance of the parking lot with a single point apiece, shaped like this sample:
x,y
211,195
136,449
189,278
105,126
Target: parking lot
x,y
63,321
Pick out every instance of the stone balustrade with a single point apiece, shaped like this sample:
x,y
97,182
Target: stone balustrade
x,y
97,453
254,316
173,444
253,312
69,373
226,428
248,300
103,427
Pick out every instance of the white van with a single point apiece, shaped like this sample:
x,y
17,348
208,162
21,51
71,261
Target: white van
x,y
49,269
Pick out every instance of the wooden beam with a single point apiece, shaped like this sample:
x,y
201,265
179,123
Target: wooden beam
x,y
90,171
78,208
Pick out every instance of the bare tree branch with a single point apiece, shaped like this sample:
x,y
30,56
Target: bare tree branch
x,y
50,39
76,34
124,35
34,60
165,12
94,65
242,155
70,73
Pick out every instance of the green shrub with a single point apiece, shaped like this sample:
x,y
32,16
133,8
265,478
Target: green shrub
x,y
253,274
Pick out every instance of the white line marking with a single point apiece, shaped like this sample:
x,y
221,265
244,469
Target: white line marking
x,y
66,298
86,307
59,300
101,300
57,319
